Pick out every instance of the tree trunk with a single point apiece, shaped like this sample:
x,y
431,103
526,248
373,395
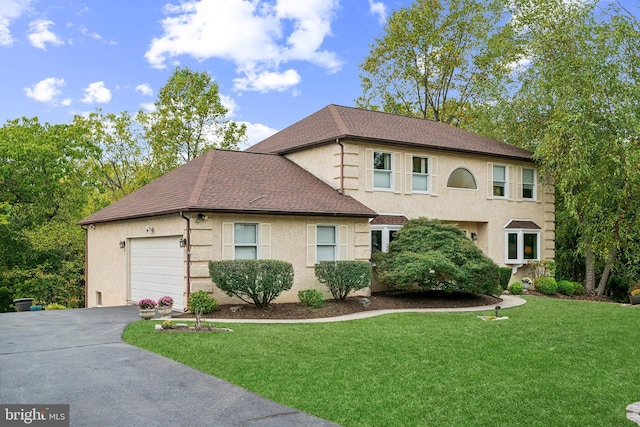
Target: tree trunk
x,y
589,274
607,267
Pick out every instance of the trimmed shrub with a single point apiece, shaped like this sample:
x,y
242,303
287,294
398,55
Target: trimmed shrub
x,y
578,289
432,255
55,306
546,285
342,277
516,288
566,287
311,298
505,276
253,281
201,302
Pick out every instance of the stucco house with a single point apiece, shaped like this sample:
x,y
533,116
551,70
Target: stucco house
x,y
335,185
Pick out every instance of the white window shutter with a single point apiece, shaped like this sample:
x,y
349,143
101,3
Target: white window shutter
x,y
396,165
227,240
368,170
433,175
265,241
489,180
539,188
408,173
311,245
343,242
509,178
518,188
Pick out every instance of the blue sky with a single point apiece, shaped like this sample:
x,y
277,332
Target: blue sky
x,y
276,61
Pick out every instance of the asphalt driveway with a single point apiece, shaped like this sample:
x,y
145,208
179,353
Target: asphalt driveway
x,y
77,357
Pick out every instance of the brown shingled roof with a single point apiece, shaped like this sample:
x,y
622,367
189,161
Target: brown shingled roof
x,y
232,181
335,121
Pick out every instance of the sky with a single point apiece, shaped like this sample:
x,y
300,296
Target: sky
x,y
275,61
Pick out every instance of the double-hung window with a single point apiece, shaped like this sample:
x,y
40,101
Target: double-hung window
x,y
382,171
528,184
326,243
420,177
500,181
245,241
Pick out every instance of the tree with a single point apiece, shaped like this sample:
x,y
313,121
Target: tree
x,y
576,105
434,59
432,255
189,120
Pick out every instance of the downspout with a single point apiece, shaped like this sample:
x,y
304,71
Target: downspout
x,y
341,190
188,247
86,265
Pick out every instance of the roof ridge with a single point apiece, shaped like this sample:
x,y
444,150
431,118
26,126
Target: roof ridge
x,y
337,118
202,178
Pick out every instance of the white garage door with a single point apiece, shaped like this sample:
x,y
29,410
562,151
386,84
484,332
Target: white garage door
x,y
157,269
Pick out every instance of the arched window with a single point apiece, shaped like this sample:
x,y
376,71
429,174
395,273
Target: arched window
x,y
462,178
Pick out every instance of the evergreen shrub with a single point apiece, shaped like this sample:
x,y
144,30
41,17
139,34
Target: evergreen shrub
x,y
342,277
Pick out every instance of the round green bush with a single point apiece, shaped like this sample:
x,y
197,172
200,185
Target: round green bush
x,y
55,306
311,298
546,285
516,288
201,302
566,287
578,289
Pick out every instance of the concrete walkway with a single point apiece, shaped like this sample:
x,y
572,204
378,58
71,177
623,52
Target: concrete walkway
x,y
508,301
77,357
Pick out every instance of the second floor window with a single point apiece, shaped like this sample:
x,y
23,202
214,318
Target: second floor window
x,y
499,181
382,170
528,184
420,179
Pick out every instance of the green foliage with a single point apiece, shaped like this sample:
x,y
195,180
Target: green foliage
x,y
201,302
433,59
432,255
505,276
566,287
546,285
55,306
253,281
516,288
311,298
342,277
578,289
6,299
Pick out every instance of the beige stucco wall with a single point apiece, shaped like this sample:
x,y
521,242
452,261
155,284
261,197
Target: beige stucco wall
x,y
474,210
107,263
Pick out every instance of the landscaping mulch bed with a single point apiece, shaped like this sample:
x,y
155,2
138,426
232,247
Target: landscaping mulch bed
x,y
332,308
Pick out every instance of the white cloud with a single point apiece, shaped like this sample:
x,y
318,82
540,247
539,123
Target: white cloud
x,y
85,31
96,92
40,34
144,89
65,102
10,10
256,35
256,132
378,8
267,81
148,106
45,90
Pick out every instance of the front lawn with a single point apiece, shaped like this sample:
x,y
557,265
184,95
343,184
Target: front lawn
x,y
552,363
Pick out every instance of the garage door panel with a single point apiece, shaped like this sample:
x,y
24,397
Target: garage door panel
x,y
157,269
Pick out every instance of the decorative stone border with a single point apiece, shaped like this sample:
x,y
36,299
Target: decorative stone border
x,y
633,412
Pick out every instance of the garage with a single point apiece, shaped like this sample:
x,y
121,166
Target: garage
x,y
157,269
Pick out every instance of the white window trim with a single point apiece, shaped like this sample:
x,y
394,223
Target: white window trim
x,y
534,197
520,260
244,245
386,234
335,243
428,175
389,171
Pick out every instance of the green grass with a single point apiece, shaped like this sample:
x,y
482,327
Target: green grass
x,y
553,363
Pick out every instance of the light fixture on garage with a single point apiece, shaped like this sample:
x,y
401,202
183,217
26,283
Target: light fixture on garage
x,y
183,242
201,218
474,236
149,229
122,244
